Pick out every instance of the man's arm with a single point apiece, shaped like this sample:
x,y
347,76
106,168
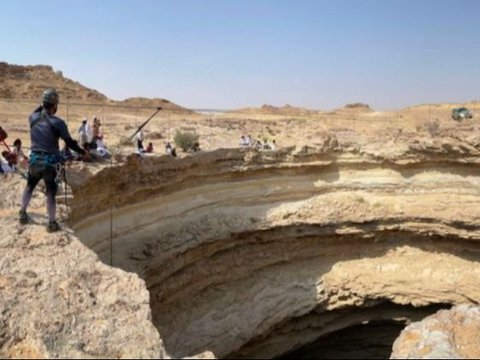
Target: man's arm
x,y
72,144
65,135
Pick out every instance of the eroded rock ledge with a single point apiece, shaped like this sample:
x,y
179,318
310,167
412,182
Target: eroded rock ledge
x,y
57,300
237,246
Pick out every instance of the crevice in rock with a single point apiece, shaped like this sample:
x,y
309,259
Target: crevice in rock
x,y
372,340
352,333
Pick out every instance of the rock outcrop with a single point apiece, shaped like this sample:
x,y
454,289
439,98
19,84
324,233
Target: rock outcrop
x,y
449,334
57,300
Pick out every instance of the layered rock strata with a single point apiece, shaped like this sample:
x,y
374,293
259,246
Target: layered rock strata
x,y
237,247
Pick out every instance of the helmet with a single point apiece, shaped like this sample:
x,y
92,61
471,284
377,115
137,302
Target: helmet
x,y
50,97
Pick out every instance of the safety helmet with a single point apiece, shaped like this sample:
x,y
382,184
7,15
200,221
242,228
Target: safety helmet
x,y
50,97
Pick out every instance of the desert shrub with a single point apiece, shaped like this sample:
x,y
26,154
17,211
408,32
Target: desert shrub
x,y
432,127
185,140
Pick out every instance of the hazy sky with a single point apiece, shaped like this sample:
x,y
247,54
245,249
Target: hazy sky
x,y
234,53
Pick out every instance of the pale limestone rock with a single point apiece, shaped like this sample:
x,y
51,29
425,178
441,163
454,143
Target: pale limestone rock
x,y
234,243
448,334
59,301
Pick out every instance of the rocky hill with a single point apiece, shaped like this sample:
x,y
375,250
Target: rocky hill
x,y
28,82
19,82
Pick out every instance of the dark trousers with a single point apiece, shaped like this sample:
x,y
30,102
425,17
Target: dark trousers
x,y
47,173
36,173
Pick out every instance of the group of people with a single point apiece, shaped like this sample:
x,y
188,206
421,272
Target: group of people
x,y
90,138
46,129
169,149
11,160
139,138
247,141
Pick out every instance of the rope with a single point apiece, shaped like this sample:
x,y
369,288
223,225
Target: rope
x,y
111,212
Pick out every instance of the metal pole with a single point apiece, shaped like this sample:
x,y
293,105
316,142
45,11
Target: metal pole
x,y
145,123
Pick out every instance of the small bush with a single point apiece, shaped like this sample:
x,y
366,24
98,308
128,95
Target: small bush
x,y
433,128
185,140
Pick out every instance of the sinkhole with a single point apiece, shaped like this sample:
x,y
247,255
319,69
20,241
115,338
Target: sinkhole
x,y
244,270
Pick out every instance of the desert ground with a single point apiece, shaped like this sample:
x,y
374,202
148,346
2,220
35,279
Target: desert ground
x,y
288,126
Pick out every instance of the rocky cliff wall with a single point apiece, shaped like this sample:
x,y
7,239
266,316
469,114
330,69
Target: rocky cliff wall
x,y
241,250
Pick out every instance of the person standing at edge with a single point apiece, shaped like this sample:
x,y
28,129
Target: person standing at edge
x,y
45,131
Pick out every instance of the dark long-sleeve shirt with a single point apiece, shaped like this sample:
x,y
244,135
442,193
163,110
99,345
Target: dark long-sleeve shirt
x,y
46,132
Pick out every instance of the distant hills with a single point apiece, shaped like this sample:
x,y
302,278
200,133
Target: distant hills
x,y
293,110
19,82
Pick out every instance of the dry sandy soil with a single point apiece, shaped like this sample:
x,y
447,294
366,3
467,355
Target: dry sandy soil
x,y
223,129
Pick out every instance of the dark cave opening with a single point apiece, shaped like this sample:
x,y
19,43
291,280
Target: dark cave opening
x,y
370,336
372,340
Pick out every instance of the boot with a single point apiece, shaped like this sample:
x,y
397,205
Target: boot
x,y
53,226
23,217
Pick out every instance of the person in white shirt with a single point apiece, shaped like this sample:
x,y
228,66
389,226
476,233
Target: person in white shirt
x,y
84,135
140,138
22,159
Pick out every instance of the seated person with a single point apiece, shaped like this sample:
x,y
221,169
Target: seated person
x,y
244,141
273,145
8,162
196,146
17,150
101,149
170,150
149,148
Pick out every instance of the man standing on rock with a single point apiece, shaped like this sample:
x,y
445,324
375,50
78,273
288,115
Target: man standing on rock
x,y
45,131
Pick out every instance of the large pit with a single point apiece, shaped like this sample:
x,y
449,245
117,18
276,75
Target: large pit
x,y
294,255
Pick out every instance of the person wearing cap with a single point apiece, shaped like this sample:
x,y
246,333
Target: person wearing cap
x,y
45,131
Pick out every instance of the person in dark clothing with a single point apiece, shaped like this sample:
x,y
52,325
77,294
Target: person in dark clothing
x,y
45,131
